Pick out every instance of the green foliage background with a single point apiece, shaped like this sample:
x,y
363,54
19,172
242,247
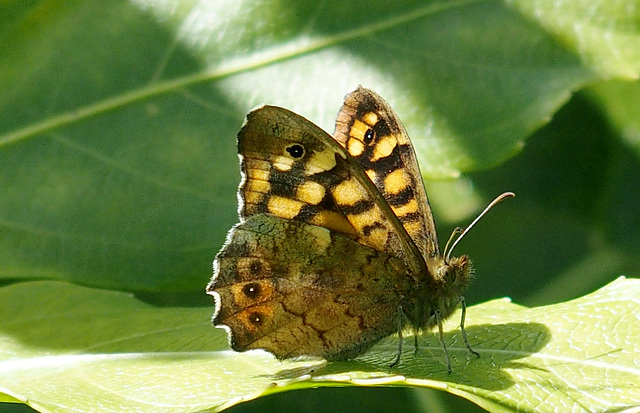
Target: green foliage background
x,y
117,142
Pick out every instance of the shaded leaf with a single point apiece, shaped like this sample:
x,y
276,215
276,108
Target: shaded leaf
x,y
621,101
118,164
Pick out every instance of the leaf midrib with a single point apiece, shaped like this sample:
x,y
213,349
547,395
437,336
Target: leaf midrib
x,y
232,67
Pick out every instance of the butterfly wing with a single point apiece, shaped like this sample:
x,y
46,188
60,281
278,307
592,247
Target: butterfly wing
x,y
283,287
294,170
371,132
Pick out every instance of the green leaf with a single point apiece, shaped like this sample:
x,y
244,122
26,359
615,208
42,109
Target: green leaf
x,y
604,33
117,143
87,350
117,160
622,103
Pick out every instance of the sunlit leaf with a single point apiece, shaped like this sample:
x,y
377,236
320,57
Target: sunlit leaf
x,y
91,350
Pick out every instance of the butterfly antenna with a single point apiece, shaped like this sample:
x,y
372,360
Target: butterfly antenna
x,y
447,251
455,232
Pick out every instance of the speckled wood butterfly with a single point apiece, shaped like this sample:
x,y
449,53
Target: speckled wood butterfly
x,y
336,246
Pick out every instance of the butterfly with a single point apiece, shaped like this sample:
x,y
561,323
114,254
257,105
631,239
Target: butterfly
x,y
336,247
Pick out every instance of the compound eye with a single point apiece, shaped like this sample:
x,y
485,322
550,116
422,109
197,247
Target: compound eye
x,y
448,273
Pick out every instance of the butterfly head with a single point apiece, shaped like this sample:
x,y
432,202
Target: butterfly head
x,y
451,277
453,274
455,270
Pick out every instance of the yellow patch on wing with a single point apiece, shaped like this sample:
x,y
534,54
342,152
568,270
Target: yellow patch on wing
x,y
396,181
371,118
376,235
408,208
258,174
371,174
355,147
256,181
366,218
283,163
348,193
320,161
251,199
358,129
322,237
413,227
333,221
384,147
377,238
284,207
254,185
310,192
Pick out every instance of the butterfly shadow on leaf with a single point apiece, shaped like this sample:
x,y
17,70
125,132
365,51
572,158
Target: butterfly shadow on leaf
x,y
499,346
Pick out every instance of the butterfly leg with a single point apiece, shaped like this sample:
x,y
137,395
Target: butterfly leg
x,y
464,332
397,360
444,346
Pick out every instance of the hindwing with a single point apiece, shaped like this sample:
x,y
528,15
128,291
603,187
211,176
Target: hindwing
x,y
284,287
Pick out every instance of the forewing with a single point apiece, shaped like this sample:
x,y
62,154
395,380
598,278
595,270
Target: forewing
x,y
292,169
283,286
372,133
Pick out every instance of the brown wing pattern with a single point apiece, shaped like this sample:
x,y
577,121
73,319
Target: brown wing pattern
x,y
284,287
374,136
